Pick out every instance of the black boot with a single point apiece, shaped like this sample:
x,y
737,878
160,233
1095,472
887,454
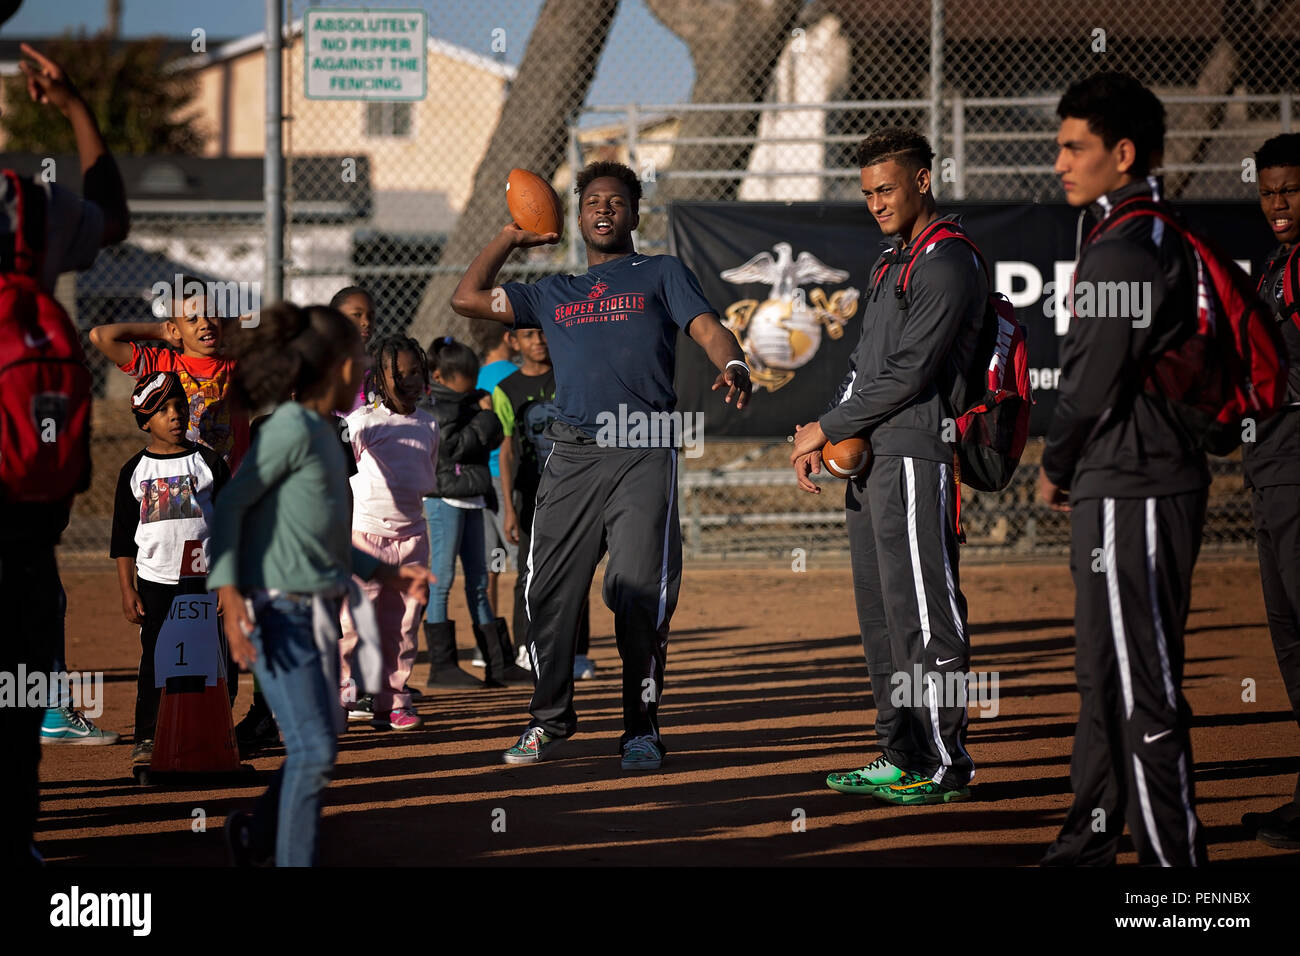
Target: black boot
x,y
444,671
501,668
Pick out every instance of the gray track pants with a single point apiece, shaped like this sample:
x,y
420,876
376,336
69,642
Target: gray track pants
x,y
911,613
592,500
1277,535
1132,561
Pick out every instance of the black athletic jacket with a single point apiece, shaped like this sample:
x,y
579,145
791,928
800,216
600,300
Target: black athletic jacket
x,y
911,360
1108,439
1274,457
466,436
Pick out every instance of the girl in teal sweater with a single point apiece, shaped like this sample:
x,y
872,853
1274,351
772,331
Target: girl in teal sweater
x,y
282,560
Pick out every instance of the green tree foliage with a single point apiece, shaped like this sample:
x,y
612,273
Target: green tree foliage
x,y
137,100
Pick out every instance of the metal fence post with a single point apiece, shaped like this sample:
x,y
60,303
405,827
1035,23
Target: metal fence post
x,y
575,164
958,146
1285,108
633,147
936,73
273,159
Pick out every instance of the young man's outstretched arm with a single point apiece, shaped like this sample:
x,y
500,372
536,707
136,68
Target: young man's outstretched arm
x,y
722,349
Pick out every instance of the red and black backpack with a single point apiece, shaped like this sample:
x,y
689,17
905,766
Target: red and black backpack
x,y
1232,365
992,430
44,381
1290,285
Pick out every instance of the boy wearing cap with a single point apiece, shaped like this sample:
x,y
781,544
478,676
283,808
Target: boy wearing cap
x,y
161,551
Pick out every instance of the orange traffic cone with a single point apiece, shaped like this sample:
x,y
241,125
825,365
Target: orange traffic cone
x,y
195,734
195,731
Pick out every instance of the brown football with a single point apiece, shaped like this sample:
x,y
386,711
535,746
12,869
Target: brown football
x,y
847,458
533,203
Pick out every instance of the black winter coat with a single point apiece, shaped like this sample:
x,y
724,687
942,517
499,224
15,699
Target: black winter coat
x,y
466,436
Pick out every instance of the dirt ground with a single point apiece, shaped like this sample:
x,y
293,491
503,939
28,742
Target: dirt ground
x,y
766,692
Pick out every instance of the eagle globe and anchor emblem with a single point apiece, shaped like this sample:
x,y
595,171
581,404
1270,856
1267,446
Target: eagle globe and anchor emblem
x,y
783,332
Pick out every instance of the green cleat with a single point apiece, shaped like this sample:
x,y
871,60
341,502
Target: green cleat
x,y
914,789
532,746
879,773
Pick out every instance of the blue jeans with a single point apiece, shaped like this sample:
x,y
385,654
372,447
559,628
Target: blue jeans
x,y
302,687
456,531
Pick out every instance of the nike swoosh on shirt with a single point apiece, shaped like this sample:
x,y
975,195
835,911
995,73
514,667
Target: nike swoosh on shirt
x,y
938,663
639,263
1152,738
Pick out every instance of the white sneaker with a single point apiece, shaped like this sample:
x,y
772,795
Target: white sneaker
x,y
522,659
584,668
478,660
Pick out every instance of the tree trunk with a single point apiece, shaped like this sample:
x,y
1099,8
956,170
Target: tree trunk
x,y
735,45
1242,23
532,133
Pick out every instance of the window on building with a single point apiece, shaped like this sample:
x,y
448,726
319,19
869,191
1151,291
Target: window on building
x,y
388,119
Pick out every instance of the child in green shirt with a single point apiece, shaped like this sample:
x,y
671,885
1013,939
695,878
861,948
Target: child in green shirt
x,y
282,560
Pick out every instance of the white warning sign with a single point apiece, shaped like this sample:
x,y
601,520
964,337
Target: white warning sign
x,y
189,644
365,54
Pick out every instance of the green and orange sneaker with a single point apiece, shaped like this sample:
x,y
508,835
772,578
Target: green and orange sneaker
x,y
915,788
532,746
879,773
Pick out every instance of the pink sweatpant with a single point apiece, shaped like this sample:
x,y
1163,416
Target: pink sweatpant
x,y
398,616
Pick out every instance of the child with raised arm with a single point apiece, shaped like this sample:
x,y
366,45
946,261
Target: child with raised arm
x,y
195,355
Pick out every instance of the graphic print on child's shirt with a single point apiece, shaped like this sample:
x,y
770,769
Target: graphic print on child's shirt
x,y
167,498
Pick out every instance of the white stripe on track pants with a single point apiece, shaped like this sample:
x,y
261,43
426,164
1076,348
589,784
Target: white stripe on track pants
x,y
1132,561
911,612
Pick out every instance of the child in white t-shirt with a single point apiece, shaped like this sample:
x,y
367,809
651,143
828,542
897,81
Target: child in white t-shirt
x,y
162,516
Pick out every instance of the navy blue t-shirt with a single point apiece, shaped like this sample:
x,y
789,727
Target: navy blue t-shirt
x,y
612,333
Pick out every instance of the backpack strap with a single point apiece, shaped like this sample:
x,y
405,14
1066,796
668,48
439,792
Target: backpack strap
x,y
1291,285
936,232
1131,208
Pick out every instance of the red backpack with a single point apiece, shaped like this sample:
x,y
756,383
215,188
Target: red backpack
x,y
1233,365
1290,285
991,432
44,381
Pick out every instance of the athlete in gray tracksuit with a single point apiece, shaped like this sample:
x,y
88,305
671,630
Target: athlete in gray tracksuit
x,y
1137,484
610,482
913,352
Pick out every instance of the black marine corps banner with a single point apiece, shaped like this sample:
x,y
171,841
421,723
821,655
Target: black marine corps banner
x,y
789,279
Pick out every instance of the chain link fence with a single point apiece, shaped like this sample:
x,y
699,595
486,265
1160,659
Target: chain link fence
x,y
734,100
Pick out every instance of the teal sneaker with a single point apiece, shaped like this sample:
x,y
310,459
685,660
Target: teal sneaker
x,y
915,788
642,753
879,773
63,725
533,745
